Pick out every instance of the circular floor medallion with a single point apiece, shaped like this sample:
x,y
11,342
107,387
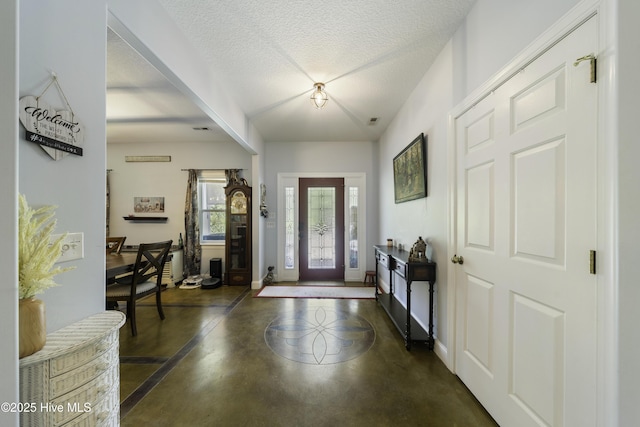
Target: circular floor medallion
x,y
319,336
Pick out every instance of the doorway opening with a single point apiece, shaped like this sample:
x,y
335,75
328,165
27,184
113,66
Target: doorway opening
x,y
321,227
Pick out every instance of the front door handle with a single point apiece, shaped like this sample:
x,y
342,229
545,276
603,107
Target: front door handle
x,y
457,259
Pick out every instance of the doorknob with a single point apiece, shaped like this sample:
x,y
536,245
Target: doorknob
x,y
457,259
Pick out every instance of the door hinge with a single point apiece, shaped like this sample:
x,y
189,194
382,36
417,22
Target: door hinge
x,y
592,262
594,65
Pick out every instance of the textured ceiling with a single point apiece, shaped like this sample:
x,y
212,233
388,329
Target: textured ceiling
x,y
142,106
370,54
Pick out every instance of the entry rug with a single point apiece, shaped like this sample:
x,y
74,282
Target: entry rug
x,y
350,292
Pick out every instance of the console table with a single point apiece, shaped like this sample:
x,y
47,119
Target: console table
x,y
75,378
397,262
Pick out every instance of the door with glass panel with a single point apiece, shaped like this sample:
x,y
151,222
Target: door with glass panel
x,y
321,228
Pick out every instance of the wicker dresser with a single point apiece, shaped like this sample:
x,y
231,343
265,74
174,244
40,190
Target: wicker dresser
x,y
75,378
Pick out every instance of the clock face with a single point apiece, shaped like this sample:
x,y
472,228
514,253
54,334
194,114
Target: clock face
x,y
238,203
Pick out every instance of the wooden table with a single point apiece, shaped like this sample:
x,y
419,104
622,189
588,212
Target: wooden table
x,y
397,264
118,264
122,263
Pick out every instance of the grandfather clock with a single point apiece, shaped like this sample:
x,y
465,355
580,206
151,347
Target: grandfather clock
x,y
238,237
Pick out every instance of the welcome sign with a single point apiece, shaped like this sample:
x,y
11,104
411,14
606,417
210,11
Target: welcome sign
x,y
57,132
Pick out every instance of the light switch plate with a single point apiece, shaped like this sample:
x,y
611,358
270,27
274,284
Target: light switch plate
x,y
72,246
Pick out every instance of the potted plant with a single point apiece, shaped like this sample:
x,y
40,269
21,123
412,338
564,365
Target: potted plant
x,y
37,254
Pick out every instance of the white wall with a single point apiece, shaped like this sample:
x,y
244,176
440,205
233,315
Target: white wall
x,y
494,32
424,112
168,180
259,227
42,28
9,217
319,157
628,178
70,41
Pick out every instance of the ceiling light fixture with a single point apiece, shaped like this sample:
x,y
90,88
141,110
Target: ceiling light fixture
x,y
319,96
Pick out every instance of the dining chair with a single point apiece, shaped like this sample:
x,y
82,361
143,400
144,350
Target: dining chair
x,y
115,244
146,279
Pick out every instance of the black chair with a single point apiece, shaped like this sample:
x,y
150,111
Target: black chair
x,y
146,279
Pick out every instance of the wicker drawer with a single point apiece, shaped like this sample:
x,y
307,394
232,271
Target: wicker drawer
x,y
93,395
68,362
67,382
104,414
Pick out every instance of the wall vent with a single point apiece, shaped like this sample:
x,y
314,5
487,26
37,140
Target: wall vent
x,y
373,121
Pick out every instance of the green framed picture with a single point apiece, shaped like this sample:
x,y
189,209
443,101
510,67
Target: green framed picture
x,y
410,171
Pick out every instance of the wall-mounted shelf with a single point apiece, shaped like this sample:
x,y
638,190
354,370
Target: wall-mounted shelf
x,y
146,218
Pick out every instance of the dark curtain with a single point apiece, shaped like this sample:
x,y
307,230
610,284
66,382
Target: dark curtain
x,y
192,249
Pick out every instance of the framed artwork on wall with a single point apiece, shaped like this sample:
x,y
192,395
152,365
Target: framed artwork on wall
x,y
410,171
148,204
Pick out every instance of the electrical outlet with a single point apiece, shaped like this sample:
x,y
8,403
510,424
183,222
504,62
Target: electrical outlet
x,y
72,246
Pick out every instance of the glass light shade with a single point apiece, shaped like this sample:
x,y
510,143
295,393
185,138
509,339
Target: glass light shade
x,y
319,96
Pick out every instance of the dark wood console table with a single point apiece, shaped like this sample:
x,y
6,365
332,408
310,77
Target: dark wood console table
x,y
397,262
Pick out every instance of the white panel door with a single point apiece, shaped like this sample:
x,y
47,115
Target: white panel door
x,y
526,222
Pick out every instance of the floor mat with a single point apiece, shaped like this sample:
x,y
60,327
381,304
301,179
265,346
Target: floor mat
x,y
354,292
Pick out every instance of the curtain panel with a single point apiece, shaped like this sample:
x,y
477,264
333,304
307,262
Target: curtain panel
x,y
192,248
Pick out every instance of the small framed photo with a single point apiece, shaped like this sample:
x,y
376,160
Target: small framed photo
x,y
148,204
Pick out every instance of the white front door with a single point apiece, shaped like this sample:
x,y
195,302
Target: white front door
x,y
526,222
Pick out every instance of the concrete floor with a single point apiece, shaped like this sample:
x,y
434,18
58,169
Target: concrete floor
x,y
225,358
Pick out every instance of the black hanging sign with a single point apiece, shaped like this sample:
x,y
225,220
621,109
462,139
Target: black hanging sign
x,y
59,133
52,143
